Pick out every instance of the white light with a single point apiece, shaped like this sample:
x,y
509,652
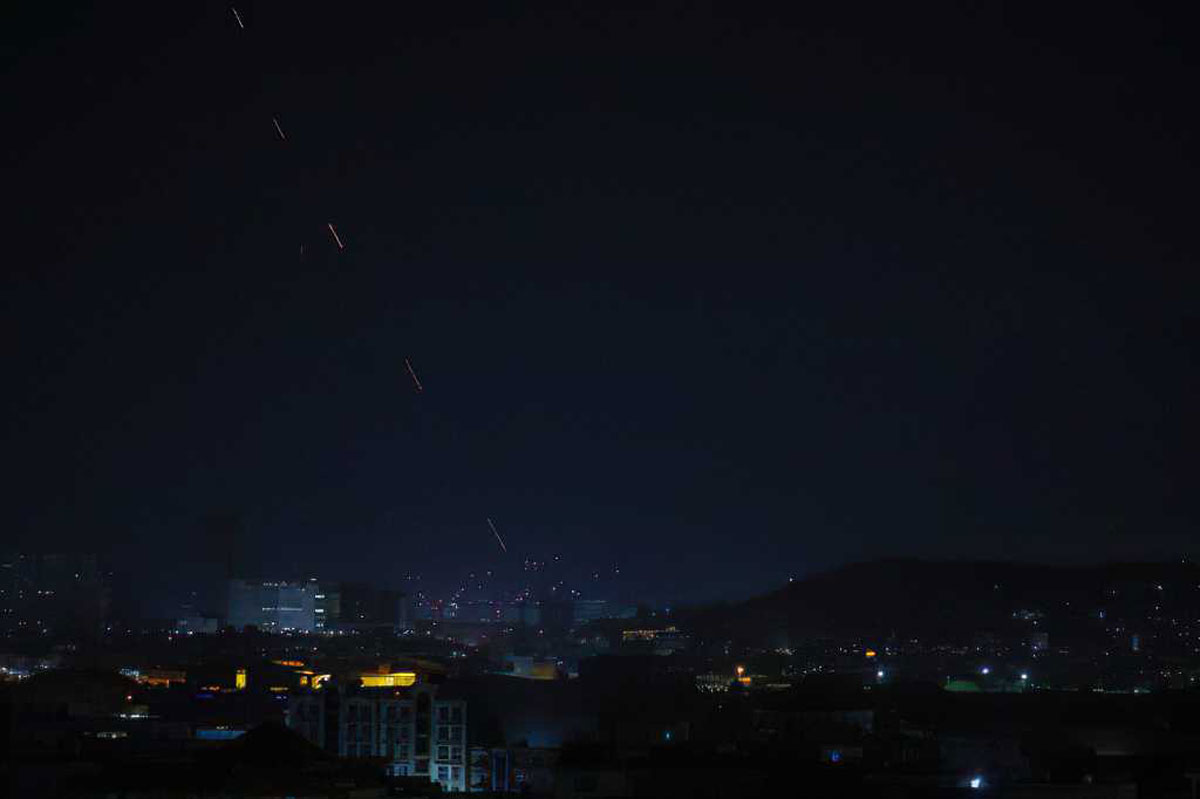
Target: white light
x,y
977,782
985,670
879,674
1024,676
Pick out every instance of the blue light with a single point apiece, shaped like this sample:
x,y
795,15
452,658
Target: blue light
x,y
835,756
976,782
667,735
218,734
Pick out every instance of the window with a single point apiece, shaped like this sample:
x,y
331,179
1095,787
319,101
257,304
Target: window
x,y
443,753
443,735
443,774
456,754
443,715
456,715
456,773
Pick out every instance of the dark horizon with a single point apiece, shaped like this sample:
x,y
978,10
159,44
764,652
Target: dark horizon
x,y
712,297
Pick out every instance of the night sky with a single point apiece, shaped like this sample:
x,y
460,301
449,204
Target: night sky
x,y
714,295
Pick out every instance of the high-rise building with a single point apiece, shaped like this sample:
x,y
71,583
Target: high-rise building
x,y
60,595
327,605
359,606
418,730
273,605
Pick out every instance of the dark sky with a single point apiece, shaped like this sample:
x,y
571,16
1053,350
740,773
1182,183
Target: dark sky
x,y
714,294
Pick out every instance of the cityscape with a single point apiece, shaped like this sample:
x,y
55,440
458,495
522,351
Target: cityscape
x,y
1011,678
587,400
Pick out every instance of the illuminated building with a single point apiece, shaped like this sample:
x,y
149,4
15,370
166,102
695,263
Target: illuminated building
x,y
713,683
419,730
161,678
662,641
327,606
395,679
272,606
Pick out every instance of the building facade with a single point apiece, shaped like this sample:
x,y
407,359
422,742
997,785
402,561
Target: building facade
x,y
63,595
273,605
418,732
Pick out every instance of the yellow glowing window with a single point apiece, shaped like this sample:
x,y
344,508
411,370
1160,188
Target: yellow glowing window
x,y
239,679
397,679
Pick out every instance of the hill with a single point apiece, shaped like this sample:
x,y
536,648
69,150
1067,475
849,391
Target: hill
x,y
951,600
